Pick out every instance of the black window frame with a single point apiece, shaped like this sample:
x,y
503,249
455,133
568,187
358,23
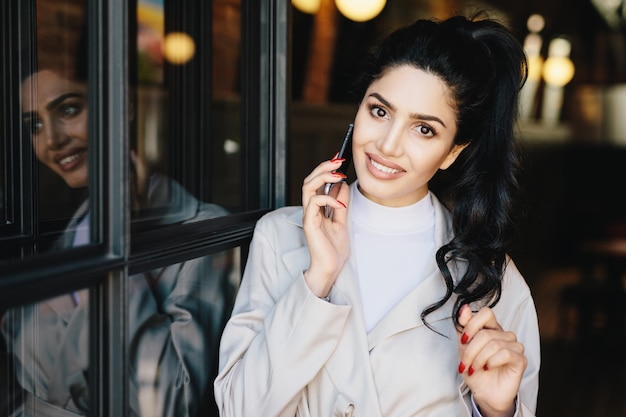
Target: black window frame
x,y
104,266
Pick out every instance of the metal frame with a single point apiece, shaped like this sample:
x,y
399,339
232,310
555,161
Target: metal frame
x,y
104,266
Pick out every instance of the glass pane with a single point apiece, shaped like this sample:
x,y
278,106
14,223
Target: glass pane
x,y
176,315
54,112
3,215
225,157
44,357
185,148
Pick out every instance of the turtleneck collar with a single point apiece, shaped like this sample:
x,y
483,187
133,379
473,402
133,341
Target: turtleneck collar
x,y
381,219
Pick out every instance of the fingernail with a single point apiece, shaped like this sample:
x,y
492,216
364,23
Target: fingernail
x,y
461,367
470,371
344,206
336,155
339,174
337,159
464,338
485,368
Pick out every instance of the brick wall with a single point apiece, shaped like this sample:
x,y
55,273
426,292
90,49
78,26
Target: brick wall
x,y
59,25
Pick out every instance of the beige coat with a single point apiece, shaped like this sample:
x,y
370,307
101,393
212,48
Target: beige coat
x,y
287,353
175,318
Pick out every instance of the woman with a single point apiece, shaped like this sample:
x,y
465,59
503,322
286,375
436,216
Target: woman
x,y
175,313
398,305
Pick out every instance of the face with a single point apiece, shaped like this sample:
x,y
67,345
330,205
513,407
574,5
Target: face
x,y
55,112
403,133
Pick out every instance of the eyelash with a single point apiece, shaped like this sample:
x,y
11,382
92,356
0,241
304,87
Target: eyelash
x,y
375,106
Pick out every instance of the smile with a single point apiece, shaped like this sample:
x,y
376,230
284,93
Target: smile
x,y
383,168
71,158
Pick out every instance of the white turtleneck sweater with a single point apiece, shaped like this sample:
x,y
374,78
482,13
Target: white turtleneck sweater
x,y
393,246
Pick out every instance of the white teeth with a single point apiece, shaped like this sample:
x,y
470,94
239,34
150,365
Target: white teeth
x,y
384,168
70,158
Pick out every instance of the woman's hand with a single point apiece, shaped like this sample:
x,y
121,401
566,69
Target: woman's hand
x,y
492,362
327,237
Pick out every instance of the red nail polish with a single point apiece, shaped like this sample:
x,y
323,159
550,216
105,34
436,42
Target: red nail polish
x,y
464,338
334,156
339,174
470,371
461,367
344,206
337,160
485,368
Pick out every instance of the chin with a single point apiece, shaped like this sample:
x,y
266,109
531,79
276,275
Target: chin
x,y
76,183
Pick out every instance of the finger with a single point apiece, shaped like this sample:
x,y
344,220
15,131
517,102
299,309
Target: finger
x,y
340,214
465,314
324,173
486,344
512,356
324,167
483,319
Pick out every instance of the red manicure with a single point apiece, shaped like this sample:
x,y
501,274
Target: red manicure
x,y
470,371
485,368
461,367
337,160
344,206
464,338
338,174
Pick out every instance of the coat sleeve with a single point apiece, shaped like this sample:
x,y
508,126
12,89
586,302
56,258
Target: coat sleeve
x,y
516,312
279,336
521,318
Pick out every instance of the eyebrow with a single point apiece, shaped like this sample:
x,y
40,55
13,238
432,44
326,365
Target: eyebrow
x,y
418,116
61,99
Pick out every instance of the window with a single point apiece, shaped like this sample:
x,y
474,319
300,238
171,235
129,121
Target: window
x,y
141,140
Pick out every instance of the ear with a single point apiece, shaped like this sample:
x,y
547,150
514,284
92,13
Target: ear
x,y
452,155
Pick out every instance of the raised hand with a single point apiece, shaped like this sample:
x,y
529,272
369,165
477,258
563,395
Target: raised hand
x,y
327,238
492,362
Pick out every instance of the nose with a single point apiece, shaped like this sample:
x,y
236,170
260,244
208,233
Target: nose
x,y
57,136
390,142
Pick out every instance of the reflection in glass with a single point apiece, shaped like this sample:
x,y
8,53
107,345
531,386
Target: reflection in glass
x,y
225,157
44,357
176,315
178,133
54,109
3,216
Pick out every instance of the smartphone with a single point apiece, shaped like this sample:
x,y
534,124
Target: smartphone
x,y
345,151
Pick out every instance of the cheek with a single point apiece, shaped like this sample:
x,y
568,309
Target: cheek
x,y
40,147
78,129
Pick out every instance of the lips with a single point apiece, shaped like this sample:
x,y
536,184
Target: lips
x,y
383,169
71,159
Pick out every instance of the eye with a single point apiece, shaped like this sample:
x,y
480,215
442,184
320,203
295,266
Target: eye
x,y
70,110
377,111
34,125
426,130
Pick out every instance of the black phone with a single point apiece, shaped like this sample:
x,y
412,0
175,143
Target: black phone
x,y
345,151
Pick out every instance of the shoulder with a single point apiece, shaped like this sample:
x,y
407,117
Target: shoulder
x,y
280,232
281,220
516,302
513,283
282,225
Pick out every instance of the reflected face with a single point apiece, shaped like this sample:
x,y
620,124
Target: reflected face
x,y
403,133
54,109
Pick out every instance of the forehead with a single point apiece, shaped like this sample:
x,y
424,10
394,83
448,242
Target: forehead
x,y
44,86
415,90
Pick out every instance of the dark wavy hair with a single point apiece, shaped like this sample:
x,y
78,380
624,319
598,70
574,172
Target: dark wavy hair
x,y
484,66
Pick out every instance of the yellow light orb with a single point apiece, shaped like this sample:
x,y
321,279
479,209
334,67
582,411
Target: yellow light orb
x,y
360,10
535,64
307,6
558,71
178,48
